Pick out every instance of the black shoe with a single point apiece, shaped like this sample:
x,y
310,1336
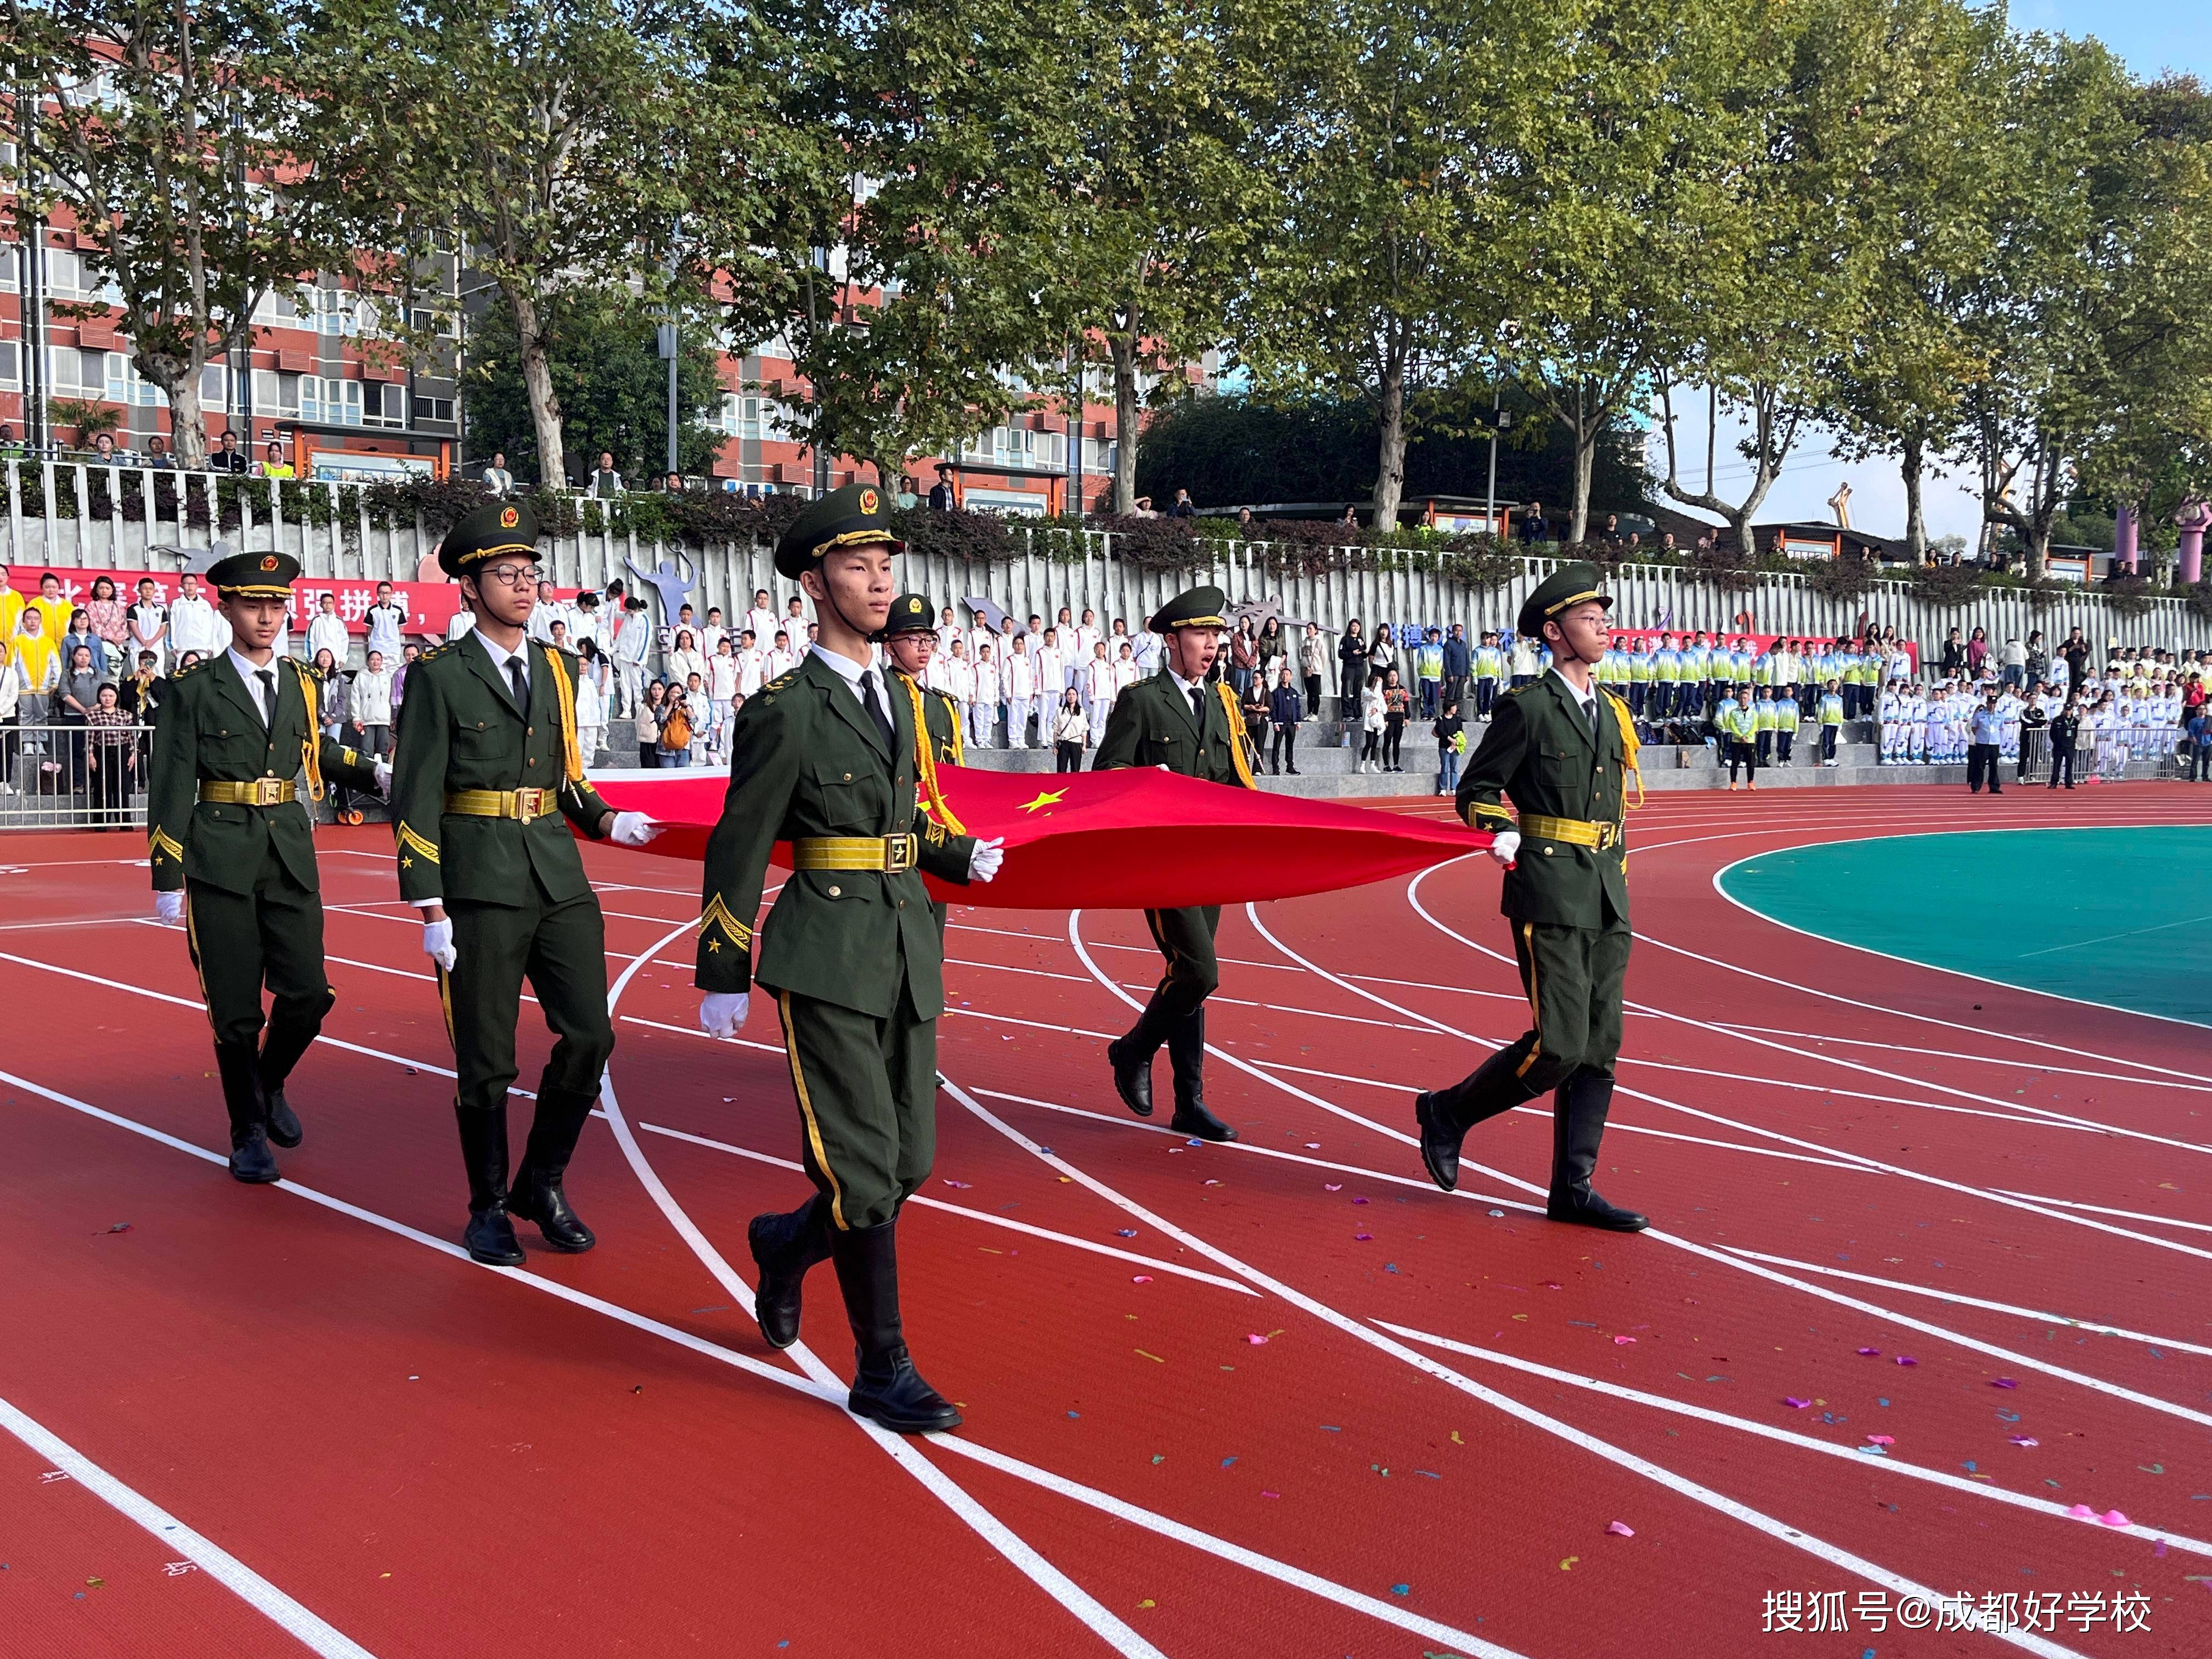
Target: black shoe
x,y
1294,771
283,1123
288,1037
886,1388
1133,1079
1440,1141
537,1194
1192,1118
490,1239
490,1234
239,1065
784,1246
1589,1210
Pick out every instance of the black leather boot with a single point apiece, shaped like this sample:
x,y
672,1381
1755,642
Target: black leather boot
x,y
536,1195
784,1246
1132,1074
886,1388
238,1065
1445,1115
490,1234
1187,1059
287,1038
1578,1110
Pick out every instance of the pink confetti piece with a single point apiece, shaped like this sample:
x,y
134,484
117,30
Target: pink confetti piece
x,y
1881,1440
1255,1339
2003,1383
1141,1279
1212,1183
1331,1186
1906,1360
1363,1237
961,1186
1358,1200
1870,1354
1620,1529
1622,1342
1271,1494
1313,1145
2113,1518
2080,1512
1793,1403
2026,1440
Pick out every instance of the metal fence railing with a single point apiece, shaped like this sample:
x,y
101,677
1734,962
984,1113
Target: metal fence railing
x,y
73,776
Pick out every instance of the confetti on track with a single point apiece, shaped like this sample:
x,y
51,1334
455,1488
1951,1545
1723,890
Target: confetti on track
x,y
1826,1147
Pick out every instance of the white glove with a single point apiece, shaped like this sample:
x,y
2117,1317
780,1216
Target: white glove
x,y
984,860
632,829
169,907
722,1014
383,770
438,943
1507,844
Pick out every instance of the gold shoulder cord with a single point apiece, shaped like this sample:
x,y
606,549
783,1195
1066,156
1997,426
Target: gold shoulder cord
x,y
1236,734
310,752
1631,746
925,764
565,695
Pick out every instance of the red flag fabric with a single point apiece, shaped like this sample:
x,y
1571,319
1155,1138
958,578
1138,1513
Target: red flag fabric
x,y
1134,839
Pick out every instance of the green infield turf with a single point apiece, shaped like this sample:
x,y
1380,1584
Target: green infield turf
x,y
2122,917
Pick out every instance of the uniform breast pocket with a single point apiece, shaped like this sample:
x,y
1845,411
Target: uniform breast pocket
x,y
1553,764
1160,746
847,800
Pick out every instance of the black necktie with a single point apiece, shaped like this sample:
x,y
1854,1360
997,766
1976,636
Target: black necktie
x,y
268,678
522,685
1593,717
874,705
1197,706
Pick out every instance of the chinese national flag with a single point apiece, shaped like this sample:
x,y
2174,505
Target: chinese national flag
x,y
1134,839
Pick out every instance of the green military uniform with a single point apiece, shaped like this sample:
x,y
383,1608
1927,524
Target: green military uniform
x,y
225,825
824,757
936,723
484,776
1566,894
1199,732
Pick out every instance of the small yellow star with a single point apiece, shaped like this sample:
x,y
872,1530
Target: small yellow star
x,y
714,944
1045,798
406,864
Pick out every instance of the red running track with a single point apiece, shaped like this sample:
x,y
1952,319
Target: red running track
x,y
268,1419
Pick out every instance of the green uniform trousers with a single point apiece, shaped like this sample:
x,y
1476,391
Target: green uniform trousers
x,y
1573,977
867,1103
561,949
1186,940
239,941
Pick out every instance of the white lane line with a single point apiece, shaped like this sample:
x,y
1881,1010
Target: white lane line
x,y
1794,1537
2131,1215
1085,1608
2039,1066
210,1558
1888,1465
200,1009
1987,1194
833,1395
1960,1298
1709,1253
1005,1223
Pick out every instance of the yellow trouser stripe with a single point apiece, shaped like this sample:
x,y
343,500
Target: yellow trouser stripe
x,y
806,1111
1535,1003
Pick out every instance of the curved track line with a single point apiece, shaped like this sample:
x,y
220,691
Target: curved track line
x,y
1873,1572
1072,1596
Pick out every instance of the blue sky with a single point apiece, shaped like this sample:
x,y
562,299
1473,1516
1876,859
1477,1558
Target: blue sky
x,y
2150,36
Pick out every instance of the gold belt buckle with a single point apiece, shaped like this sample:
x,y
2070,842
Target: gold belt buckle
x,y
529,803
1606,835
268,792
898,853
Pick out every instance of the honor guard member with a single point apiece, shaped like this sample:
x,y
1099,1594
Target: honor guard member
x,y
233,849
1179,720
825,759
1561,748
488,768
910,641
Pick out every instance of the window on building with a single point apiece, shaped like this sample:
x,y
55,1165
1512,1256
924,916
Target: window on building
x,y
214,387
71,372
435,409
11,364
383,403
277,393
333,402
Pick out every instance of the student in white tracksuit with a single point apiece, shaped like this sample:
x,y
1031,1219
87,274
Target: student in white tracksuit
x,y
983,700
1021,692
1099,688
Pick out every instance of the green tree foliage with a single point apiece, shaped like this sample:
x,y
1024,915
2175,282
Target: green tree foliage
x,y
209,158
1232,451
605,369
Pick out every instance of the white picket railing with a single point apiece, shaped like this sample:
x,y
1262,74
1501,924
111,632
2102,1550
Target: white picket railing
x,y
347,543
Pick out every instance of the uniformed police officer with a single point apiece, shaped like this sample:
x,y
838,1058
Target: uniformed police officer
x,y
1179,719
824,757
1560,748
233,851
487,768
909,642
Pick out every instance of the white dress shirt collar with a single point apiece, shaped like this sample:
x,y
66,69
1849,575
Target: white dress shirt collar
x,y
846,668
1581,698
500,656
247,668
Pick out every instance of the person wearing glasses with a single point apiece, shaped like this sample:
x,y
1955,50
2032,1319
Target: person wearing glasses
x,y
489,763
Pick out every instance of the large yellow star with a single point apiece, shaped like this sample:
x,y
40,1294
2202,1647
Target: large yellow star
x,y
1045,798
